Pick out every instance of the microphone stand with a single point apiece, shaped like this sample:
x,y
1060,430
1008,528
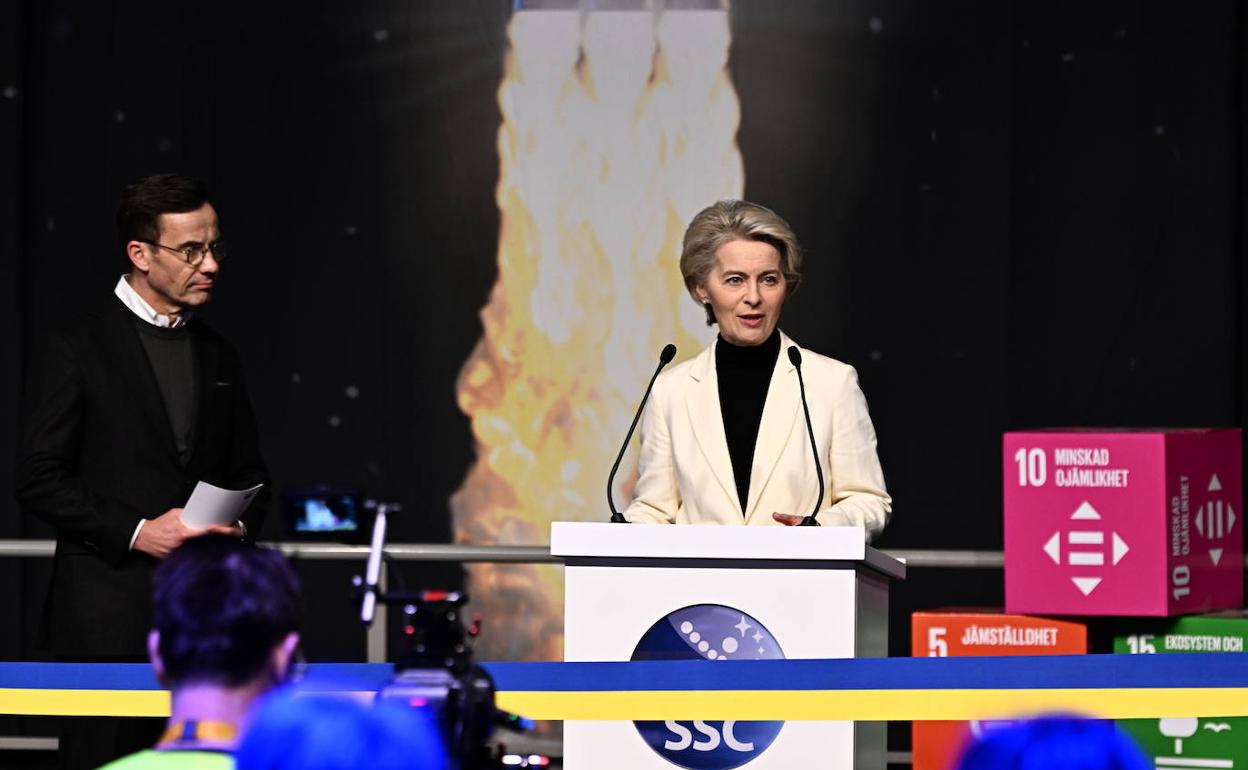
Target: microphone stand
x,y
665,357
372,573
795,357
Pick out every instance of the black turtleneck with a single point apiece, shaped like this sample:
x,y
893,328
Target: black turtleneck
x,y
744,375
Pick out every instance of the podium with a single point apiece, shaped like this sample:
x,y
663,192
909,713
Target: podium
x,y
655,592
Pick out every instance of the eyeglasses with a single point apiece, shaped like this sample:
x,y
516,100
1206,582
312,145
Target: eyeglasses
x,y
195,253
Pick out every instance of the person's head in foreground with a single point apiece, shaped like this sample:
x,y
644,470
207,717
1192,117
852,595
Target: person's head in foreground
x,y
1054,743
325,732
226,618
225,628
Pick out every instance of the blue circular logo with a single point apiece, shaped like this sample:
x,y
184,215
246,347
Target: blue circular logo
x,y
709,632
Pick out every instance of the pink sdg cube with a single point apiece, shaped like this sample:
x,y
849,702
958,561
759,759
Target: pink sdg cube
x,y
1123,522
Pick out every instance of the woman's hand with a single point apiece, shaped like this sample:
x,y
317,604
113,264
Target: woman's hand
x,y
787,519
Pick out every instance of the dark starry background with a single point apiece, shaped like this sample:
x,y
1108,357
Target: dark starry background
x,y
1019,214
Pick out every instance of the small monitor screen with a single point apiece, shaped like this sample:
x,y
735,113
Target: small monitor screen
x,y
330,511
321,514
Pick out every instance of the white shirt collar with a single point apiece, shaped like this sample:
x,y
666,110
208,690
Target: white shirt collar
x,y
131,299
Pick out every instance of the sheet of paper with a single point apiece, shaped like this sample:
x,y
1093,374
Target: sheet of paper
x,y
213,505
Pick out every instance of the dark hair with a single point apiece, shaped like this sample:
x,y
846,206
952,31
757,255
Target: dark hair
x,y
1071,743
221,606
144,200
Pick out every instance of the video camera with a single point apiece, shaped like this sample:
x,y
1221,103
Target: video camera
x,y
436,671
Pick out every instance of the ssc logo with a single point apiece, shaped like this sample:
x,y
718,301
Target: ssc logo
x,y
709,632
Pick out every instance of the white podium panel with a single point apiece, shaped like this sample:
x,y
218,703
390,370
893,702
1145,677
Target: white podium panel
x,y
799,593
804,609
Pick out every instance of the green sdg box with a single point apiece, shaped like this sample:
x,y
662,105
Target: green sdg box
x,y
1205,742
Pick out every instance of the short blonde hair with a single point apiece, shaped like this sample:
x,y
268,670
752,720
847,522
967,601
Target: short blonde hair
x,y
732,220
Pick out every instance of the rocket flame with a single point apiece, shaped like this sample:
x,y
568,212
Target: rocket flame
x,y
617,128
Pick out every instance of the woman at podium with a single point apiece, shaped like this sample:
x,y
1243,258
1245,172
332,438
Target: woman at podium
x,y
724,438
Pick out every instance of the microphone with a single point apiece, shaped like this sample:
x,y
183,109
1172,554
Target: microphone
x,y
665,358
795,358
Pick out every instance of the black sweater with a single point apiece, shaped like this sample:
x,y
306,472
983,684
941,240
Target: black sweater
x,y
172,357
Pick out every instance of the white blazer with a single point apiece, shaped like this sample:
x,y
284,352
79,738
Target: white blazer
x,y
685,474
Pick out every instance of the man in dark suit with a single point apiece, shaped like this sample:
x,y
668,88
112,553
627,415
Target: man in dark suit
x,y
126,410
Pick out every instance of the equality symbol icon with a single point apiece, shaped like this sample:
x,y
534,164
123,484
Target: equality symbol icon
x,y
1085,547
1215,519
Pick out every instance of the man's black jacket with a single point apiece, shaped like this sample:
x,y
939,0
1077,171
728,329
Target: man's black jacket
x,y
97,454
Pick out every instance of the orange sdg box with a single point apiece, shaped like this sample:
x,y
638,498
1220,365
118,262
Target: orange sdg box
x,y
963,633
